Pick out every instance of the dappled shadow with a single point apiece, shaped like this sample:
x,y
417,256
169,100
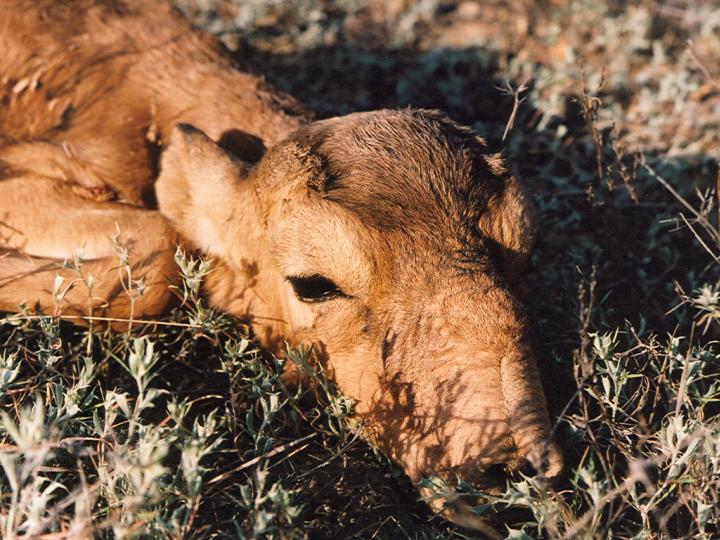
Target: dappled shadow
x,y
413,431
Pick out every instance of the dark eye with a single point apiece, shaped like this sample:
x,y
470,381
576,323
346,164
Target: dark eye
x,y
315,288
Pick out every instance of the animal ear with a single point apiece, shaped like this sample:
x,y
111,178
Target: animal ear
x,y
510,220
199,188
297,164
309,165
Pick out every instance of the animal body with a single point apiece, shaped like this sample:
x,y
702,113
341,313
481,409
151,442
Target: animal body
x,y
391,239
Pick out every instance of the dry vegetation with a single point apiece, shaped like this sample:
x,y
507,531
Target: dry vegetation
x,y
182,428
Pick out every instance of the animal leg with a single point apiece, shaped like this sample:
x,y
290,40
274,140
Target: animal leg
x,y
64,254
43,159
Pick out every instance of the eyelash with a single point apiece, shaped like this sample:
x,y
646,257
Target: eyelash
x,y
315,288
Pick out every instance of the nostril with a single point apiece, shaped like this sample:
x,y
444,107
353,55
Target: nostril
x,y
524,468
546,463
495,475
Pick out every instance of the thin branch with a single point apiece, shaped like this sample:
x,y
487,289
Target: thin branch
x,y
684,376
701,219
275,451
700,65
18,318
515,93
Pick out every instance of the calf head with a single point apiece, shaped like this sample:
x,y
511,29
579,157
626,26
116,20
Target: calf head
x,y
394,241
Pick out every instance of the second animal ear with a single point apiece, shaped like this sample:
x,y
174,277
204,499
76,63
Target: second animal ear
x,y
510,221
298,163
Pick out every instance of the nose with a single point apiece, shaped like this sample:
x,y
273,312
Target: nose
x,y
495,478
544,462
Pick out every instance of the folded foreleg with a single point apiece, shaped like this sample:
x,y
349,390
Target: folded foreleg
x,y
65,254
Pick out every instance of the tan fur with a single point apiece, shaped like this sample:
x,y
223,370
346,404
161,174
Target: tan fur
x,y
421,229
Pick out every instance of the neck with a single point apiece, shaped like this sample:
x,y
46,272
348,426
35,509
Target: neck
x,y
238,110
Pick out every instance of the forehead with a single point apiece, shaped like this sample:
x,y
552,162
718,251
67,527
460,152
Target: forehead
x,y
405,189
316,236
400,169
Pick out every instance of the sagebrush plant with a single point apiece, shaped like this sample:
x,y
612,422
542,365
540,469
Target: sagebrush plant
x,y
184,428
99,443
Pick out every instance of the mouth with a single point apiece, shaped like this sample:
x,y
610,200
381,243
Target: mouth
x,y
477,513
471,505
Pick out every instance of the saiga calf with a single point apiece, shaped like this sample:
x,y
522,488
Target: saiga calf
x,y
392,239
